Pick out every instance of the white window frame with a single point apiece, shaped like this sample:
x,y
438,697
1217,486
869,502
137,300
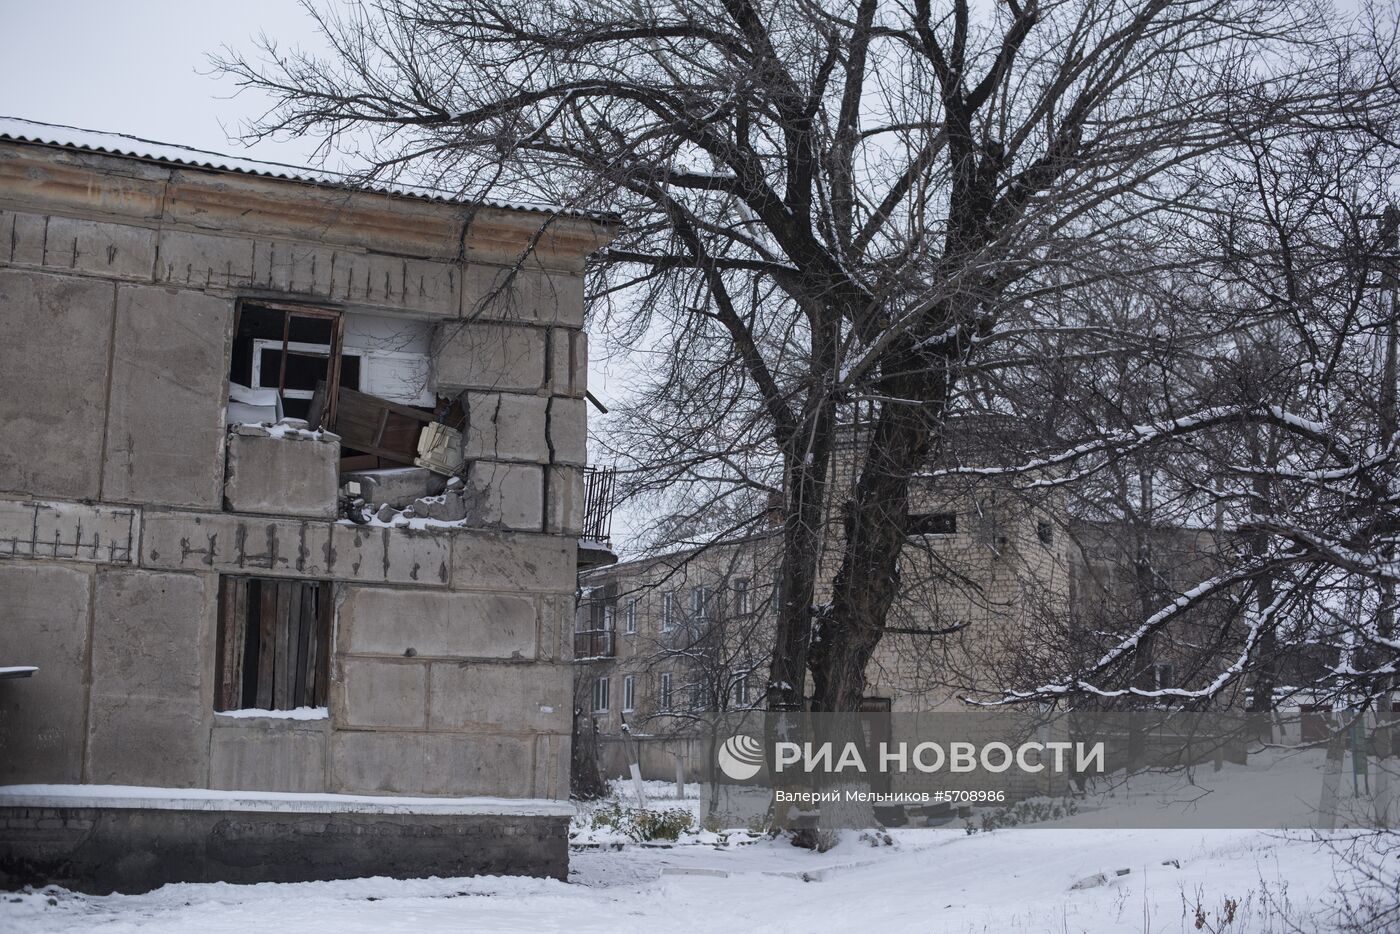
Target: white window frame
x,y
663,695
392,375
741,691
602,690
305,349
700,602
609,617
741,596
629,693
668,611
630,615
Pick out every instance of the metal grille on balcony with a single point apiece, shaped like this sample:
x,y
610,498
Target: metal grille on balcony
x,y
593,643
599,494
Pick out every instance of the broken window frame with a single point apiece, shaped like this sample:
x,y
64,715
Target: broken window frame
x,y
336,347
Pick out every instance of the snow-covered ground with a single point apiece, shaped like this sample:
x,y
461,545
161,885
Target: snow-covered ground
x,y
1016,879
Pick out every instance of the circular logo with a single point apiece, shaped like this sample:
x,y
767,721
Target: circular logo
x,y
741,757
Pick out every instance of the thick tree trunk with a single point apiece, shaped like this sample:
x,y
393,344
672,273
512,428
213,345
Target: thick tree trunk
x,y
802,520
875,522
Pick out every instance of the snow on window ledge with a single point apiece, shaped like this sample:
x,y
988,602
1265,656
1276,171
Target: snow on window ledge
x,y
297,713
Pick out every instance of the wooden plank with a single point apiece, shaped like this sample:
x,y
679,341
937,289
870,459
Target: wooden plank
x,y
267,642
325,608
284,665
228,624
238,591
305,623
313,642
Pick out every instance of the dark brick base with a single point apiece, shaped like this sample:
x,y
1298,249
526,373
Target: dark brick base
x,y
104,850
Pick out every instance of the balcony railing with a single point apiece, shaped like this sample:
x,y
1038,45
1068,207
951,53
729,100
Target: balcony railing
x,y
599,498
593,643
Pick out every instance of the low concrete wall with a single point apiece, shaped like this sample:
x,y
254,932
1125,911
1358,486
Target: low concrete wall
x,y
100,850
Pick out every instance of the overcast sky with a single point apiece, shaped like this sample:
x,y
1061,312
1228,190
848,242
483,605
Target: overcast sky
x,y
139,66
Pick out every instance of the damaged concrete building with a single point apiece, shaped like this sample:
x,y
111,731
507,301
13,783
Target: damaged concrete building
x,y
292,474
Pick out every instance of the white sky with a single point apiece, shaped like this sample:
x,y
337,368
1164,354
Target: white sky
x,y
140,67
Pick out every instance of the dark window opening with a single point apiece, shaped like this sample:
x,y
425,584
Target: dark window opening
x,y
291,350
274,644
1045,531
933,523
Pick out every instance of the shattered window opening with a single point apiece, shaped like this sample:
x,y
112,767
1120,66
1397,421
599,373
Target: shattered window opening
x,y
290,349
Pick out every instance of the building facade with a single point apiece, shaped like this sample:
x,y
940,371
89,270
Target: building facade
x,y
291,484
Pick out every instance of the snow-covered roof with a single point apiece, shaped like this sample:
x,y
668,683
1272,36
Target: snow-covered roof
x,y
126,146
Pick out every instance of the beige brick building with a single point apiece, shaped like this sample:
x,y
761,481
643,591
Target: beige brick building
x,y
661,642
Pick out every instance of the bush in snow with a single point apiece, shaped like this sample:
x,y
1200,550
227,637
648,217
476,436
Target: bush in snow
x,y
642,824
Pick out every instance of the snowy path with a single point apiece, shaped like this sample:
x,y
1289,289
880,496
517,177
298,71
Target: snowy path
x,y
1015,880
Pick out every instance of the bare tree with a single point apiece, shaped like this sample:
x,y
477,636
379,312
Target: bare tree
x,y
826,204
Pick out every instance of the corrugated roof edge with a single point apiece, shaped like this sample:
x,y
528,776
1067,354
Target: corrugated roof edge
x,y
20,130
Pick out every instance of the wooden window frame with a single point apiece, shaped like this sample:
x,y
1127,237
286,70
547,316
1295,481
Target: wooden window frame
x,y
335,348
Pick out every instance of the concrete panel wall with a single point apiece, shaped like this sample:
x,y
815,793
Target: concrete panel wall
x,y
152,678
298,475
293,548
475,697
43,622
512,562
383,762
53,382
67,244
165,428
268,754
387,621
476,355
449,672
69,531
533,296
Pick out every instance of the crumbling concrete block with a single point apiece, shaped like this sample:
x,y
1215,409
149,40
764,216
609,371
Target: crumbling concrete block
x,y
476,355
204,261
390,621
568,430
166,426
320,270
535,296
507,495
513,562
116,251
152,691
290,476
376,692
69,531
566,500
382,762
578,364
484,698
506,426
448,506
267,546
396,486
53,404
43,622
551,766
268,754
